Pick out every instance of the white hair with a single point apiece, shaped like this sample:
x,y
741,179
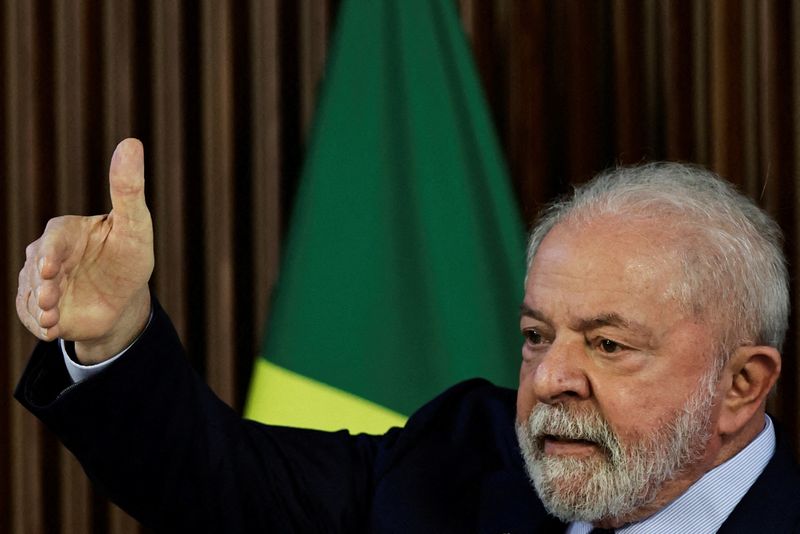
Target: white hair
x,y
730,250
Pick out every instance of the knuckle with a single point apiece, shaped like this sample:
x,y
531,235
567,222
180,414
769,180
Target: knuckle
x,y
31,250
54,223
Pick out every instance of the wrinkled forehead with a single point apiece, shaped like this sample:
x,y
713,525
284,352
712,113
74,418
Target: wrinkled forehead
x,y
614,246
645,257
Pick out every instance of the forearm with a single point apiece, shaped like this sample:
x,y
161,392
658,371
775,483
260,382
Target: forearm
x,y
129,426
152,435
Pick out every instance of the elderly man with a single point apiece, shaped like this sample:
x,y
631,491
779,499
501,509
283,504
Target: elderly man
x,y
655,307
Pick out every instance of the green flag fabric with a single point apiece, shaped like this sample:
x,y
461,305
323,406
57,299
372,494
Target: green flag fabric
x,y
403,269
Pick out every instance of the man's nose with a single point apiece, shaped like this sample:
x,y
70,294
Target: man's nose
x,y
561,374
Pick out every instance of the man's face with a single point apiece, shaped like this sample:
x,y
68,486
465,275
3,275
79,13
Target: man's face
x,y
614,409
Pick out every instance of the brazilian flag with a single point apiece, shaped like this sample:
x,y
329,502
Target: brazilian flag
x,y
403,269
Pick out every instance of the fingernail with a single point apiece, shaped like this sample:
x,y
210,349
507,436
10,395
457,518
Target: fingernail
x,y
41,264
43,331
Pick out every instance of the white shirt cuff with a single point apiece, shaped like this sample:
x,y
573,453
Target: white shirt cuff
x,y
80,372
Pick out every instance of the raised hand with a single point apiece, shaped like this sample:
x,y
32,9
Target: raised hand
x,y
85,279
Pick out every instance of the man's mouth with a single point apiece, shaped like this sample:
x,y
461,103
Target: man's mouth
x,y
563,446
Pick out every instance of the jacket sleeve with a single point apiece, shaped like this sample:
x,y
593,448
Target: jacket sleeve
x,y
153,437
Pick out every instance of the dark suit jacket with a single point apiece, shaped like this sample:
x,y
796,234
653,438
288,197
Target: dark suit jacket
x,y
152,436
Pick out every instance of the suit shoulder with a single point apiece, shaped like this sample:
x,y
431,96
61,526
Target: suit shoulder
x,y
471,417
475,398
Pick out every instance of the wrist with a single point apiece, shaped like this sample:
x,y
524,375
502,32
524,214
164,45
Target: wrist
x,y
127,328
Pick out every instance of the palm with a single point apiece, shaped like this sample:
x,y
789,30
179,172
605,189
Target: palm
x,y
106,268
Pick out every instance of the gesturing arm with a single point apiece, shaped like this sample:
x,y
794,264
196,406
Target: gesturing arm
x,y
147,429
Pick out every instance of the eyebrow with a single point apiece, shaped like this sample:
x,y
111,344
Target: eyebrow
x,y
527,311
582,325
610,319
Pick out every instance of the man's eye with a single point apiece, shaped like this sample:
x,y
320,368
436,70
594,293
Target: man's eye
x,y
608,346
533,337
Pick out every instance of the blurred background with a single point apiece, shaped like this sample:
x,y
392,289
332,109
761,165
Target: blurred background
x,y
222,93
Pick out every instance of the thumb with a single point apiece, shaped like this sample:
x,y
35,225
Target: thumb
x,y
126,180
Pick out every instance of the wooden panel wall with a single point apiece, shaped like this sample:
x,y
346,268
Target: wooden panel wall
x,y
222,93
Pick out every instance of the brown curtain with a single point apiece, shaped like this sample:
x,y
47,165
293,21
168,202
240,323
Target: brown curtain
x,y
222,94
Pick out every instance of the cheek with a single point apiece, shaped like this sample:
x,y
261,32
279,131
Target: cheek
x,y
525,395
633,411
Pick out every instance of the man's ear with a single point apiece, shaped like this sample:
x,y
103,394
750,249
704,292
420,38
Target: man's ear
x,y
751,373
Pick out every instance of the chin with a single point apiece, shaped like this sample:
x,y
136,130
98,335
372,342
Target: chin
x,y
585,488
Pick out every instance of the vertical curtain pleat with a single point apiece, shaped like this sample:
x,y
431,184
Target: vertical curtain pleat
x,y
21,207
223,95
216,151
700,69
118,60
265,118
629,80
679,80
726,89
526,137
167,154
7,361
314,19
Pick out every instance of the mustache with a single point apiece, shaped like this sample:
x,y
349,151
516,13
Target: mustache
x,y
564,421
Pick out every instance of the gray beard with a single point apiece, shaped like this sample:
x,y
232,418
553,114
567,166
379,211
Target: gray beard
x,y
626,476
